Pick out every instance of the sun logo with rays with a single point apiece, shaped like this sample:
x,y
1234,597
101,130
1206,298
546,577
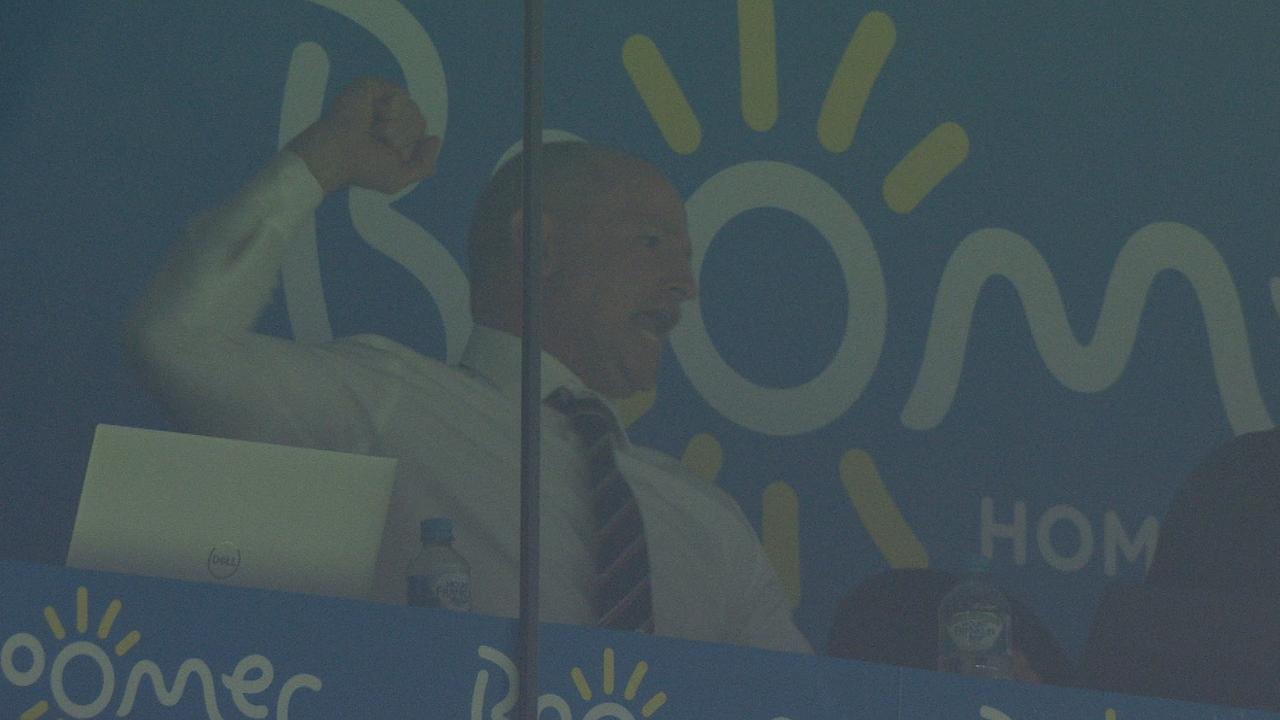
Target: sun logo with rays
x,y
76,649
919,171
610,708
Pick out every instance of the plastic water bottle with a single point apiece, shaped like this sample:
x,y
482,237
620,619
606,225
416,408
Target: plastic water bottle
x,y
439,576
975,628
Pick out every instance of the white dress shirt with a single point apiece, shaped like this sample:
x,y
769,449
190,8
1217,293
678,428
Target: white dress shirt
x,y
454,430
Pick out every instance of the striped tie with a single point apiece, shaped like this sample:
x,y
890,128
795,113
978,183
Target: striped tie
x,y
620,591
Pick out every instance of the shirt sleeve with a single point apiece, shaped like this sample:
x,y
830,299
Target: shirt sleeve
x,y
763,617
191,336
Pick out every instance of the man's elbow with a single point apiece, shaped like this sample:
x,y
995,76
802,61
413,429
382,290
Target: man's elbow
x,y
153,340
142,340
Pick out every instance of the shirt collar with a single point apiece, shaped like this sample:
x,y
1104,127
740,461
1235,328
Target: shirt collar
x,y
495,356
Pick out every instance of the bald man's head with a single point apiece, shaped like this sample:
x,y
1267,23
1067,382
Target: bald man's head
x,y
615,265
575,177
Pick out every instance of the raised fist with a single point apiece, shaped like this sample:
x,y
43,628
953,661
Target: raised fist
x,y
372,136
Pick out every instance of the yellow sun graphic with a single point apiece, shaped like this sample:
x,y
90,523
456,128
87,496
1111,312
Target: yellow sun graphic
x,y
921,169
91,649
613,709
914,176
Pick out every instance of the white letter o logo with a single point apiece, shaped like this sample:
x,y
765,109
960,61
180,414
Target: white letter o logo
x,y
818,402
94,653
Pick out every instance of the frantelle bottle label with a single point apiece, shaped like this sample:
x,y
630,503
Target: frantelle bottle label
x,y
977,632
450,590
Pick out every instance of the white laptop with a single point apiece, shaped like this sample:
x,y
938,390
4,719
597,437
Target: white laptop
x,y
227,511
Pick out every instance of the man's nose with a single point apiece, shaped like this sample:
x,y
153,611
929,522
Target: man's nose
x,y
677,266
679,279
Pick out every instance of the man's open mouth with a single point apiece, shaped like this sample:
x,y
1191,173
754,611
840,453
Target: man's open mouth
x,y
657,322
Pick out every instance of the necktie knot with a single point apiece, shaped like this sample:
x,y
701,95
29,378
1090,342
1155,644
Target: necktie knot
x,y
588,415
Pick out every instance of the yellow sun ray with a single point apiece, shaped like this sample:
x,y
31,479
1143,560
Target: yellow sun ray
x,y
654,703
580,682
633,407
879,513
758,63
607,683
854,77
35,711
82,609
637,676
55,623
108,619
780,536
924,166
127,642
661,94
704,456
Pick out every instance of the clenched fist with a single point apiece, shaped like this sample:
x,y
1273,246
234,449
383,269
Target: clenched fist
x,y
372,136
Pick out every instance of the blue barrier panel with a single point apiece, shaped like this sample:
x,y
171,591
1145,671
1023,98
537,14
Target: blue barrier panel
x,y
84,644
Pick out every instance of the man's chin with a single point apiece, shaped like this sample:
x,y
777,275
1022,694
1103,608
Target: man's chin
x,y
641,381
630,378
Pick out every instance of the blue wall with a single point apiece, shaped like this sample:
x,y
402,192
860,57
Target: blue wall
x,y
1100,181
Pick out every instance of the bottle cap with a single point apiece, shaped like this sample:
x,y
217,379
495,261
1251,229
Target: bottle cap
x,y
437,530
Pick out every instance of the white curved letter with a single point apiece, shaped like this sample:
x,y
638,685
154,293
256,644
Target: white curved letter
x,y
508,701
1093,366
806,407
385,229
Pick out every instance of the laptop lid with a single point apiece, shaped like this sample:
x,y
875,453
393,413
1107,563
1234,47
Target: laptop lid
x,y
209,509
1186,644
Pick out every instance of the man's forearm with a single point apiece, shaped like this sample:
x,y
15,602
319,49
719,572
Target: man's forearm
x,y
191,335
221,274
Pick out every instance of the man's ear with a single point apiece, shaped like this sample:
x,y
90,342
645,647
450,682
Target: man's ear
x,y
551,254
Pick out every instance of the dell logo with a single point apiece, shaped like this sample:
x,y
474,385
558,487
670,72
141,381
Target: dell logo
x,y
224,560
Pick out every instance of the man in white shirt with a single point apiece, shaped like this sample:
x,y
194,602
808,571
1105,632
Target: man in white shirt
x,y
615,271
